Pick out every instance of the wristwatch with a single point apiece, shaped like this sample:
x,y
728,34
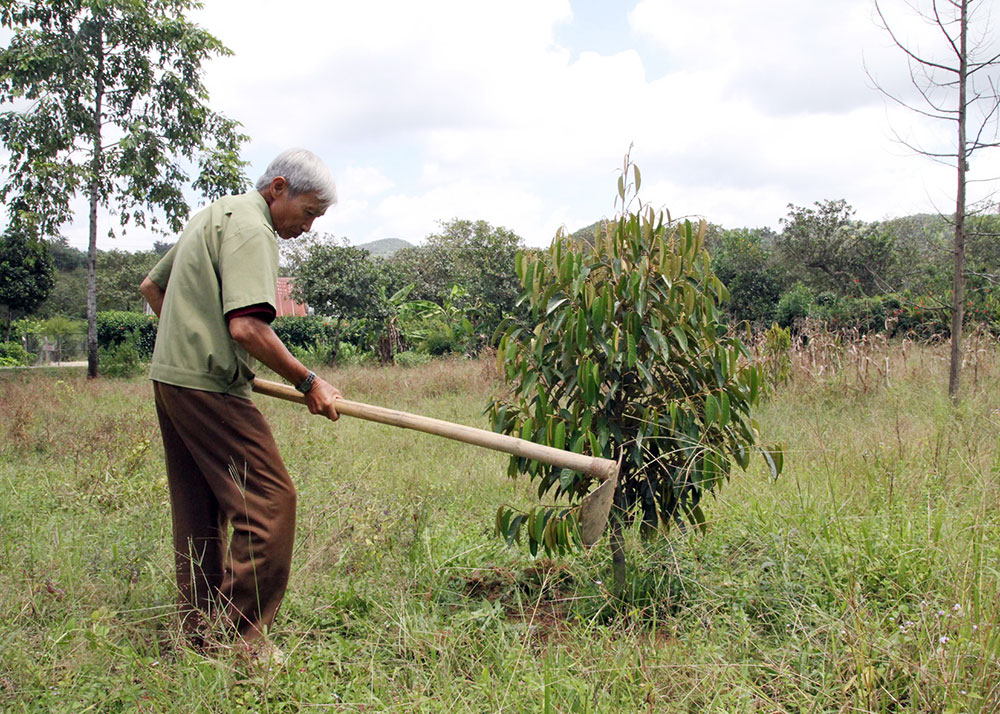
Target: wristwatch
x,y
307,383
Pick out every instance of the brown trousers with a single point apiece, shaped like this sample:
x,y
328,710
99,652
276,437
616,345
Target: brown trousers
x,y
224,470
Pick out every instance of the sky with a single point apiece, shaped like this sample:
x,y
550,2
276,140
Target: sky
x,y
520,112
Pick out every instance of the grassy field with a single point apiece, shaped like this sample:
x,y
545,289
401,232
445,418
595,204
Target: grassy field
x,y
866,579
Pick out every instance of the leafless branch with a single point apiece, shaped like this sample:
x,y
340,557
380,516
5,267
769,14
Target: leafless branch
x,y
976,66
935,156
989,277
941,25
906,50
925,93
906,105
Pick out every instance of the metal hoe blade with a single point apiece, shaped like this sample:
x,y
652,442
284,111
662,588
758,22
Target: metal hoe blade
x,y
594,510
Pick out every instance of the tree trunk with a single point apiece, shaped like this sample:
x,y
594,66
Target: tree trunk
x,y
94,201
616,539
958,279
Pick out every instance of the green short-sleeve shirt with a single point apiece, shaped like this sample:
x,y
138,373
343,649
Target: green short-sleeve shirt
x,y
226,259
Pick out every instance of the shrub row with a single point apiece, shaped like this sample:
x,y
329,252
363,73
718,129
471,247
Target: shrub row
x,y
306,336
116,327
897,313
305,332
13,354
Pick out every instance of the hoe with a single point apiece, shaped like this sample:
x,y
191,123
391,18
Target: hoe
x,y
593,509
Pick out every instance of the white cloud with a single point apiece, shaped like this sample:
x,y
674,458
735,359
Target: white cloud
x,y
509,204
362,181
448,108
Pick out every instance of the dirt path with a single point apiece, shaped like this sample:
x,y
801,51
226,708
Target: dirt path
x,y
50,365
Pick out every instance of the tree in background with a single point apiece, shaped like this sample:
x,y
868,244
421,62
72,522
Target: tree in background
x,y
120,271
340,281
923,253
110,102
68,297
961,79
162,247
741,258
337,279
26,275
474,255
424,267
65,256
828,249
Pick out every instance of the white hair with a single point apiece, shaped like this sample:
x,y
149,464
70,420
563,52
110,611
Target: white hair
x,y
305,173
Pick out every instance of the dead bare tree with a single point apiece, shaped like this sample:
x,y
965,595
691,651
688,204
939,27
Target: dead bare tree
x,y
950,87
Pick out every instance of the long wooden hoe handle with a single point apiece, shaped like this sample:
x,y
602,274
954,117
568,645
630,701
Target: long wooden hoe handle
x,y
602,469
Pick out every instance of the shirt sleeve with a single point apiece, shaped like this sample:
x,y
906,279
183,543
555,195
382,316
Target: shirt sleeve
x,y
160,274
263,311
248,270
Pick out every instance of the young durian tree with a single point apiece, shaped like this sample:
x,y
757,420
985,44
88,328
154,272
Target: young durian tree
x,y
628,357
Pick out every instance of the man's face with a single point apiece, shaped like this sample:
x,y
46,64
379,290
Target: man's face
x,y
294,216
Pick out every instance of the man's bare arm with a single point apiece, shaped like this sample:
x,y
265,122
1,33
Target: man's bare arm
x,y
153,294
257,338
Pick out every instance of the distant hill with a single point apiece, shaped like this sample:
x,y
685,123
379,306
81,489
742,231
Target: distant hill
x,y
385,247
586,234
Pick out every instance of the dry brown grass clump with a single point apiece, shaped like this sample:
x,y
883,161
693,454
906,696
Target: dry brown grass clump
x,y
862,363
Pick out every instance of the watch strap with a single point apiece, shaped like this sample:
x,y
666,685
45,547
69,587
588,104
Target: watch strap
x,y
307,383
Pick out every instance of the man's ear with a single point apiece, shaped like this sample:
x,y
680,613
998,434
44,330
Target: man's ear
x,y
278,186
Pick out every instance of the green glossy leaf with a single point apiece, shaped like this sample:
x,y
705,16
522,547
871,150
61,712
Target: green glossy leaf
x,y
595,447
538,528
514,529
566,268
742,456
697,517
581,330
681,338
711,409
597,312
554,304
589,387
775,461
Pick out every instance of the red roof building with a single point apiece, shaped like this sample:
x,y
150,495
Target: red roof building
x,y
286,305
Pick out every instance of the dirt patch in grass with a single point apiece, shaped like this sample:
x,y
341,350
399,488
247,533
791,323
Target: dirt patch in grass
x,y
540,595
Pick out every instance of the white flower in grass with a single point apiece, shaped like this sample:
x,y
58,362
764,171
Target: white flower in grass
x,y
943,640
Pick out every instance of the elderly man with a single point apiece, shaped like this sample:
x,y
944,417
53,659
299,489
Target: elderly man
x,y
214,292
